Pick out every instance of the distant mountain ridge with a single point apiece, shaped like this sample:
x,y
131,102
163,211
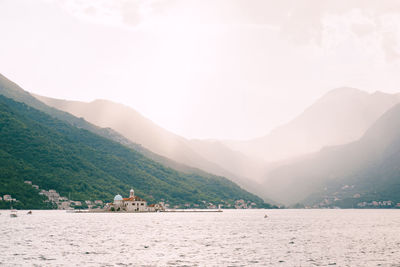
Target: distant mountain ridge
x,y
132,125
212,157
362,171
339,117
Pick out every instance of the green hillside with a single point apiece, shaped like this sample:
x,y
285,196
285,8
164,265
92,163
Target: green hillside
x,y
55,155
12,90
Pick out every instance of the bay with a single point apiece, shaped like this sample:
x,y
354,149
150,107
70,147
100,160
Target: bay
x,y
230,238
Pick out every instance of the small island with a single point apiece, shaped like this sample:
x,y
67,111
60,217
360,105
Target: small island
x,y
132,204
135,204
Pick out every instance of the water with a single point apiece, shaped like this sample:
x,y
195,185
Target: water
x,y
231,238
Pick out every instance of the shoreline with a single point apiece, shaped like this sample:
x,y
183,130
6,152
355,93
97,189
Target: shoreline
x,y
104,211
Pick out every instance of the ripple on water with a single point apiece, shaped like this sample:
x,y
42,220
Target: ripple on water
x,y
231,238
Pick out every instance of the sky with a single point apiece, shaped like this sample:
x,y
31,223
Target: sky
x,y
219,69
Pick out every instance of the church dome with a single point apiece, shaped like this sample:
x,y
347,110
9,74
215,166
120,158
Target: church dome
x,y
117,197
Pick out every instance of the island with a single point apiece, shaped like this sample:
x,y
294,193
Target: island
x,y
132,204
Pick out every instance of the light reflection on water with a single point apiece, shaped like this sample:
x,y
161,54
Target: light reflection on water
x,y
230,238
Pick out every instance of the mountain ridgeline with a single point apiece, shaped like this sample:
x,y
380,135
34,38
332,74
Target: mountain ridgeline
x,y
339,117
343,151
211,156
54,154
346,176
15,92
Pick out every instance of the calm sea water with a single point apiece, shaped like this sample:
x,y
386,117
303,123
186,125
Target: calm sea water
x,y
230,238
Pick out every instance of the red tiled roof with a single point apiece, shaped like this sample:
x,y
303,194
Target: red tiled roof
x,y
135,198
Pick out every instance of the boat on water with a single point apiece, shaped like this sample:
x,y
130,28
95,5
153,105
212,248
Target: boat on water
x,y
13,214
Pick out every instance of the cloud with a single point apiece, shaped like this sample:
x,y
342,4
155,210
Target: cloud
x,y
390,43
323,23
123,13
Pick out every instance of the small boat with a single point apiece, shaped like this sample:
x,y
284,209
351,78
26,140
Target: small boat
x,y
13,214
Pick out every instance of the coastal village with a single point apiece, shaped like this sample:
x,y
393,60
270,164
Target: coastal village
x,y
136,204
386,204
347,192
131,204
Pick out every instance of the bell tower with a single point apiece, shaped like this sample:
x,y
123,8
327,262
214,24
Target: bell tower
x,y
131,193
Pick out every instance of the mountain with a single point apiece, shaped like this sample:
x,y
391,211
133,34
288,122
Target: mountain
x,y
362,171
213,157
236,162
13,91
56,155
135,127
339,117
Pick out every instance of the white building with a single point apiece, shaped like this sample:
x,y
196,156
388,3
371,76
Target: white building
x,y
64,205
155,207
132,204
76,203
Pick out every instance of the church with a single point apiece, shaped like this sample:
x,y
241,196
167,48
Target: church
x,y
132,204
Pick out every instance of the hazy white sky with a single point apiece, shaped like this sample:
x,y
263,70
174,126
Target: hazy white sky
x,y
202,69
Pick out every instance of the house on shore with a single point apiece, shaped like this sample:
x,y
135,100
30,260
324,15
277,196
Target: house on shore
x,y
132,204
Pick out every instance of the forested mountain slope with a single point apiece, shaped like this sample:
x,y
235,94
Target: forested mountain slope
x,y
55,155
13,91
212,157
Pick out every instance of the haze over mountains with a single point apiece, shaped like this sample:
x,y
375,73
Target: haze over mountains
x,y
300,172
362,171
210,156
341,116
